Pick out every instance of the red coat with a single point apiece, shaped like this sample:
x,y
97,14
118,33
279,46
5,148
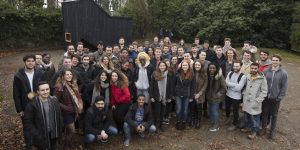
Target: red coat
x,y
118,95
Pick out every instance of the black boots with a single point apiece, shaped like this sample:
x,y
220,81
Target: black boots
x,y
180,125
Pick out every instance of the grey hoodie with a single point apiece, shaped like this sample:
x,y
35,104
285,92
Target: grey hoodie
x,y
277,83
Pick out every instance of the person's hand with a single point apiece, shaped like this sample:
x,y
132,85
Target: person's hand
x,y
169,100
142,128
104,135
197,96
21,114
190,100
152,99
138,128
113,107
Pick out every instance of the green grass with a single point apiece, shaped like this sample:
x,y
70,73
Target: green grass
x,y
286,55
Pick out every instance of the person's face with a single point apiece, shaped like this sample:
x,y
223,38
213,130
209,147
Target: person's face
x,y
174,49
114,77
47,59
219,51
174,60
100,105
263,56
166,39
253,70
181,42
116,49
141,101
124,53
205,45
227,43
230,54
130,48
194,49
247,57
197,41
161,43
185,66
108,51
80,48
155,39
125,66
67,63
71,49
246,45
146,43
74,62
275,62
157,53
38,59
44,91
103,77
212,69
85,60
180,51
135,47
202,56
140,49
142,60
186,56
121,41
166,49
30,63
100,47
105,61
236,67
68,76
150,51
162,67
197,66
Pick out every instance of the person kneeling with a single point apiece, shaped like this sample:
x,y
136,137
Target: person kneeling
x,y
98,123
139,118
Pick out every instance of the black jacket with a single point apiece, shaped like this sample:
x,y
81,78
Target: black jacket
x,y
35,122
149,69
184,88
21,87
221,62
86,76
154,90
95,121
210,55
130,116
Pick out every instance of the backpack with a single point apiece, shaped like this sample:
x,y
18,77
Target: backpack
x,y
239,79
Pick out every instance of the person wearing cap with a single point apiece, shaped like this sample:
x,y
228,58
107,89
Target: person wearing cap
x,y
98,123
24,84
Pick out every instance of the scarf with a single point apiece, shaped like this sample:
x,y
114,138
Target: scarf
x,y
46,66
76,100
96,92
162,87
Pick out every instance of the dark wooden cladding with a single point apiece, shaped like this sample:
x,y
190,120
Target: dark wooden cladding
x,y
89,23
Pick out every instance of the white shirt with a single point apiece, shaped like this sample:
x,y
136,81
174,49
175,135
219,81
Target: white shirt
x,y
30,78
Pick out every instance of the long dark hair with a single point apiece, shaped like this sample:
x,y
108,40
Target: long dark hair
x,y
122,79
157,73
97,81
202,73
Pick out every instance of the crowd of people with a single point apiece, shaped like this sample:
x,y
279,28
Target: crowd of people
x,y
138,87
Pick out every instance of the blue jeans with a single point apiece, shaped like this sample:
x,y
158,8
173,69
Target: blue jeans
x,y
127,130
213,110
182,105
89,138
252,122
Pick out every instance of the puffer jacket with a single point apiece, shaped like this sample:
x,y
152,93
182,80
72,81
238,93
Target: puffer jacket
x,y
254,94
216,90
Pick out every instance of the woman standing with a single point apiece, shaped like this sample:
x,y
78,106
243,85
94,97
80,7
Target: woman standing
x,y
184,92
67,92
199,96
215,93
230,57
99,87
119,97
160,92
105,64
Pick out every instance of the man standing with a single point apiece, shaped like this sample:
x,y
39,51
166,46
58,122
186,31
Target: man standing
x,y
97,54
98,123
235,82
255,93
24,85
43,118
277,79
246,63
138,118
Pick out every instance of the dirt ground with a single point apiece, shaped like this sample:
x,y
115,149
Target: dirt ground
x,y
287,137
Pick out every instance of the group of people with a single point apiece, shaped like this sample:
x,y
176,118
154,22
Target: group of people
x,y
136,88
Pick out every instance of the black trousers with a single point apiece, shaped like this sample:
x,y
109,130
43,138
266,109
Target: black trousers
x,y
159,112
235,109
119,114
269,113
